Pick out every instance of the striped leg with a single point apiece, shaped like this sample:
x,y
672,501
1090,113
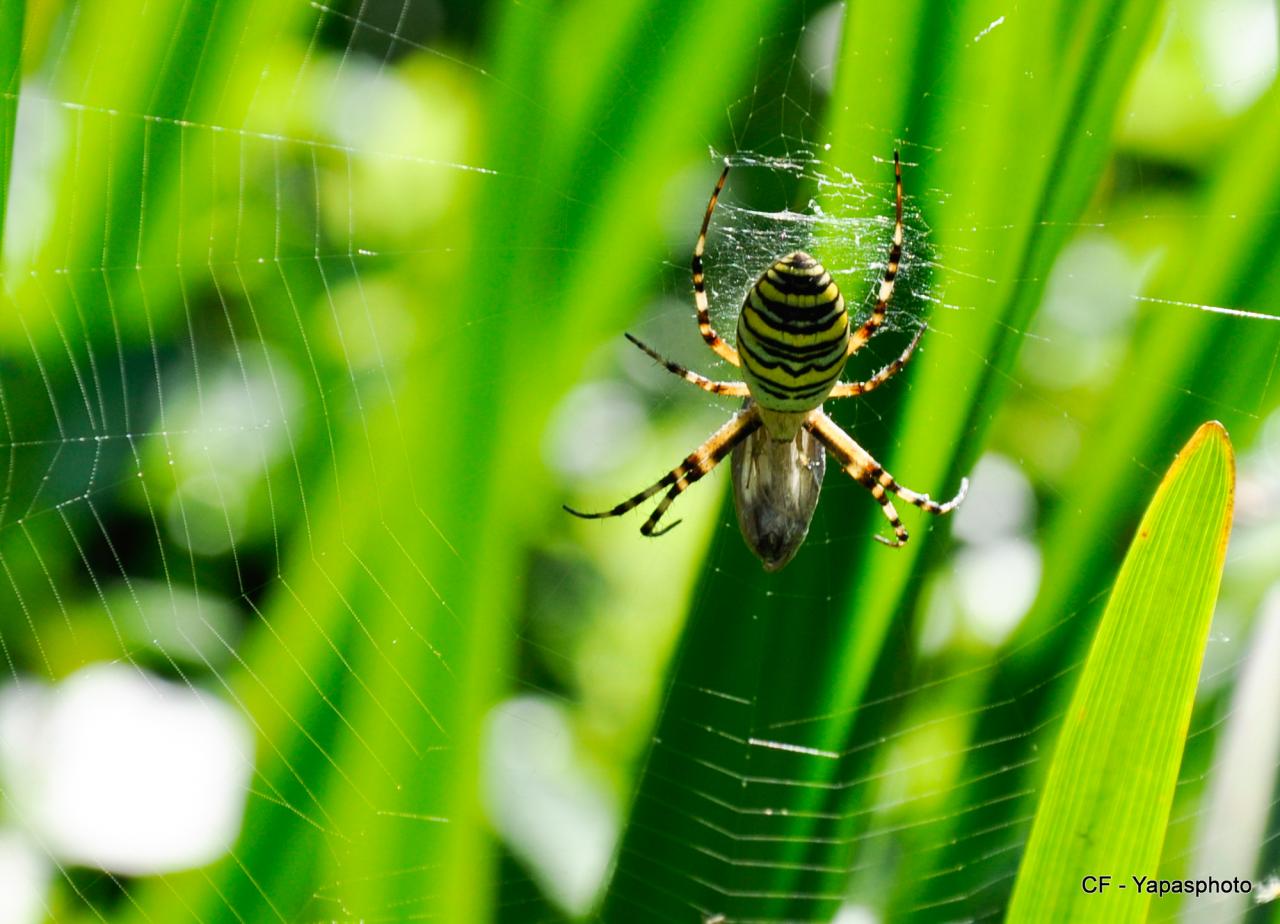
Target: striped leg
x,y
696,464
865,470
732,389
850,389
872,324
717,343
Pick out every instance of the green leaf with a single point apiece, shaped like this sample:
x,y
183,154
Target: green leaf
x,y
747,807
371,750
1106,803
1218,253
11,14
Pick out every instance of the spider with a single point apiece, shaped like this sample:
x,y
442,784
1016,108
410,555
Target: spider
x,y
793,341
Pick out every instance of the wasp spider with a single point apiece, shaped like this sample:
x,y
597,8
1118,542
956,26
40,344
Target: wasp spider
x,y
792,344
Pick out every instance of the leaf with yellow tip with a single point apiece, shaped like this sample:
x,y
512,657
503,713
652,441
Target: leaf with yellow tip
x,y
1106,803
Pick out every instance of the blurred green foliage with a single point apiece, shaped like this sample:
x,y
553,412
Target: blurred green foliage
x,y
312,320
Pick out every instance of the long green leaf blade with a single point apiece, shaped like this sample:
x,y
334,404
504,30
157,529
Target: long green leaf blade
x,y
752,801
1106,803
11,13
387,752
1142,422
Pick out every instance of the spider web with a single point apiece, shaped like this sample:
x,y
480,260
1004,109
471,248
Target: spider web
x,y
214,332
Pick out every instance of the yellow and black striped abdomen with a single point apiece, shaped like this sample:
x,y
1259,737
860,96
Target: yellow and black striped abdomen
x,y
793,334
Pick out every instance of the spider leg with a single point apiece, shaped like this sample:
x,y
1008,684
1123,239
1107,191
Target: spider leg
x,y
850,389
698,463
872,324
732,389
865,470
717,343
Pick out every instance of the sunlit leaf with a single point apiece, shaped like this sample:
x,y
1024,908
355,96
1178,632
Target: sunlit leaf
x,y
747,805
11,14
1105,806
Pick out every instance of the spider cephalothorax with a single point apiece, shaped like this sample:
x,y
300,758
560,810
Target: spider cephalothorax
x,y
793,342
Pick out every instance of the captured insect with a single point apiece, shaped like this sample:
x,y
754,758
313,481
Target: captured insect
x,y
792,344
